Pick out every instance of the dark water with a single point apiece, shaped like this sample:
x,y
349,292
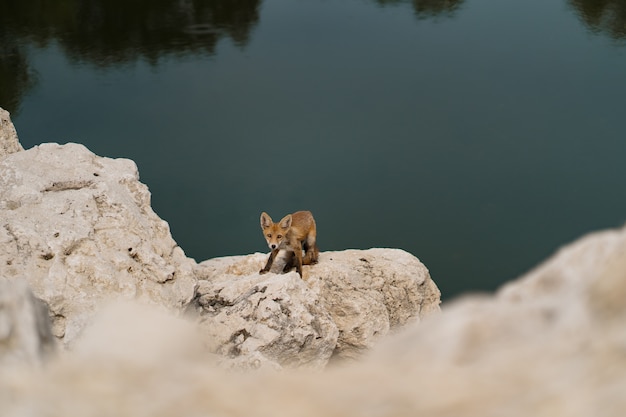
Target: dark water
x,y
478,135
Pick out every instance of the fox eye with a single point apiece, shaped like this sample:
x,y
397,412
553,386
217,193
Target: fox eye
x,y
269,235
279,236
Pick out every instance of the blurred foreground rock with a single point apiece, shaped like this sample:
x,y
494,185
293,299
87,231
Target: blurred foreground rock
x,y
549,344
25,334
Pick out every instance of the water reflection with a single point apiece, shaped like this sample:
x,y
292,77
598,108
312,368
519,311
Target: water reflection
x,y
16,78
426,9
107,33
112,32
606,16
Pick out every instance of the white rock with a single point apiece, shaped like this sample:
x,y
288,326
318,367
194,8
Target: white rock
x,y
342,307
276,315
370,292
81,230
8,136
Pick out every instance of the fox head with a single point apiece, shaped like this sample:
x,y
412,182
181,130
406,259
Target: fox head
x,y
275,233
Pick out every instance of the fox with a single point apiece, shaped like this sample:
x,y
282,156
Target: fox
x,y
293,233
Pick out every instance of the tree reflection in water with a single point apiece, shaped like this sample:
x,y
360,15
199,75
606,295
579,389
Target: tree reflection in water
x,y
603,16
426,9
16,77
107,33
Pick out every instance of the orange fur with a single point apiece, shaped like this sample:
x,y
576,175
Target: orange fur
x,y
292,233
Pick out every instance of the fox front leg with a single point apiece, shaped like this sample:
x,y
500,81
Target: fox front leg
x,y
298,261
270,261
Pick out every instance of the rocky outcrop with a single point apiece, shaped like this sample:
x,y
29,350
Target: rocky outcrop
x,y
342,307
8,136
79,228
275,315
370,293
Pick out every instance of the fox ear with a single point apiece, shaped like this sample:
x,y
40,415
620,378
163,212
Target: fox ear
x,y
285,222
266,220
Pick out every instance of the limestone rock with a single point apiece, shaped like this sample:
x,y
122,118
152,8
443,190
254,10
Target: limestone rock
x,y
25,334
79,228
344,304
8,136
371,292
276,315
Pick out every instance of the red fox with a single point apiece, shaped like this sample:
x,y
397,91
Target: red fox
x,y
292,233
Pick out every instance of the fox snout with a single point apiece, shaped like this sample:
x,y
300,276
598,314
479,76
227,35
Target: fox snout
x,y
274,241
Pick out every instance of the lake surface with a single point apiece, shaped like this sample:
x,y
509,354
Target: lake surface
x,y
478,135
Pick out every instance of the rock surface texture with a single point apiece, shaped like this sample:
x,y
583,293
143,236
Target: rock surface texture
x,y
344,304
79,228
8,136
